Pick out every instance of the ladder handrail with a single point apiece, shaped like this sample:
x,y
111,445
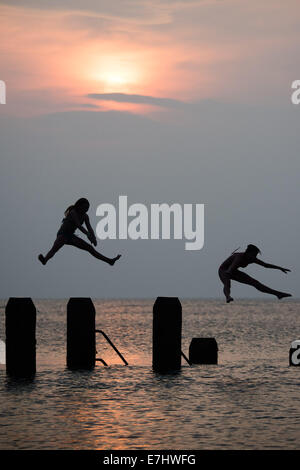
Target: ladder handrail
x,y
113,346
184,356
101,360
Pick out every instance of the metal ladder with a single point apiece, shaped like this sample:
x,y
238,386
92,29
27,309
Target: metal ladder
x,y
113,346
184,357
120,355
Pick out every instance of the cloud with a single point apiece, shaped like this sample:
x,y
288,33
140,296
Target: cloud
x,y
138,99
141,11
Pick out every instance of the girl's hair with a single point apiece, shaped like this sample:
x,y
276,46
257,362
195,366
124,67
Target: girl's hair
x,y
252,249
82,201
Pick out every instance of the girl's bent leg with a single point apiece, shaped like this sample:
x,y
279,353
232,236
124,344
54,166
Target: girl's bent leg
x,y
227,286
59,242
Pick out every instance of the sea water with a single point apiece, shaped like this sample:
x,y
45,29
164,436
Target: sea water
x,y
250,400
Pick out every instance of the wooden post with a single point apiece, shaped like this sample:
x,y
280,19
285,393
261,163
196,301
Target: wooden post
x,y
20,323
81,343
203,351
167,321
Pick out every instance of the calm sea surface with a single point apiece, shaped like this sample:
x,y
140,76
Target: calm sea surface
x,y
250,400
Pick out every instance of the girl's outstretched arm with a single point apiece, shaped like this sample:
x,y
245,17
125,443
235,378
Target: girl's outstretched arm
x,y
91,234
271,266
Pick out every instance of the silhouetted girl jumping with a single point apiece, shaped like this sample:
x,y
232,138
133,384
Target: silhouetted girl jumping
x,y
75,216
229,270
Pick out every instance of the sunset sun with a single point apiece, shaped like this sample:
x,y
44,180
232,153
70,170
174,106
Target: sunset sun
x,y
116,74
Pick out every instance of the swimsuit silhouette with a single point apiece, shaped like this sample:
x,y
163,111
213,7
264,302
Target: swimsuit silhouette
x,y
229,271
75,216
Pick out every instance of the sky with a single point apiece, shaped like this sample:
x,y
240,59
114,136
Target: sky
x,y
162,101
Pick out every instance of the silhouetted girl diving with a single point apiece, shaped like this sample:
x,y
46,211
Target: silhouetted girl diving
x,y
229,270
75,216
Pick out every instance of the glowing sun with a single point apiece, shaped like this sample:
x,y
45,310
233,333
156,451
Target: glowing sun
x,y
116,75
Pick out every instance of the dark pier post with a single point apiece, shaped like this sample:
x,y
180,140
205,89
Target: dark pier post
x,y
203,351
167,321
20,322
81,343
